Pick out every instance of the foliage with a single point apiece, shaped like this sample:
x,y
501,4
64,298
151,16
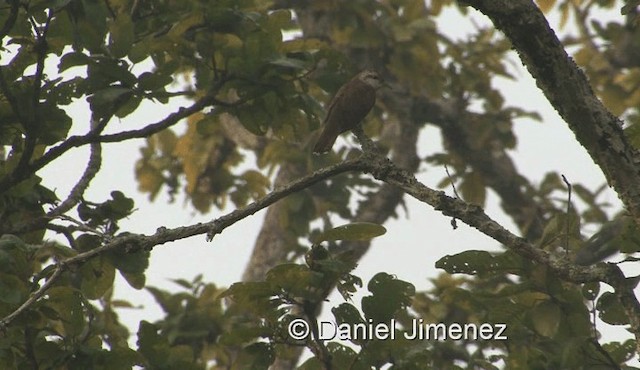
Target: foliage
x,y
255,76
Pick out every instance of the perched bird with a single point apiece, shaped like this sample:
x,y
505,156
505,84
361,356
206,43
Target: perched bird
x,y
614,235
348,108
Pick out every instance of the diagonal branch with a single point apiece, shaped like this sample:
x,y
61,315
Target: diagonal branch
x,y
164,235
568,90
383,169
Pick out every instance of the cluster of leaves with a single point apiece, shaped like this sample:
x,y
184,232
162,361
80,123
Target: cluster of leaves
x,y
537,307
66,328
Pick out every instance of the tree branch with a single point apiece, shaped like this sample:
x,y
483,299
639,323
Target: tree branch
x,y
568,90
33,114
92,137
11,19
164,235
93,166
383,169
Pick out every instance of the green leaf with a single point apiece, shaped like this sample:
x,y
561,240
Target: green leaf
x,y
55,125
289,63
347,313
135,280
389,295
610,309
473,188
256,297
159,354
67,303
591,290
121,36
352,232
297,280
621,352
12,290
474,262
546,318
14,256
342,357
97,277
555,231
256,356
152,81
73,59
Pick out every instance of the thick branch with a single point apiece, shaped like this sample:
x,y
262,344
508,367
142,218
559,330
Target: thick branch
x,y
568,90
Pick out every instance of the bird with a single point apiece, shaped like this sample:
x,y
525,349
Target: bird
x,y
349,106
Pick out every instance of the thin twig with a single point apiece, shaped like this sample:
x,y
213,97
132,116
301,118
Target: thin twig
x,y
566,236
93,166
76,141
454,223
453,184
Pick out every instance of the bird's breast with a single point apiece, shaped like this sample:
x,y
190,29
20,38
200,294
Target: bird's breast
x,y
351,105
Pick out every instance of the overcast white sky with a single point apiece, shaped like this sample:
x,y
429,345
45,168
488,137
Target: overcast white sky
x,y
415,242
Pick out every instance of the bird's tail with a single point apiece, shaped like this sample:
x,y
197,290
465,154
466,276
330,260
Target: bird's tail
x,y
325,142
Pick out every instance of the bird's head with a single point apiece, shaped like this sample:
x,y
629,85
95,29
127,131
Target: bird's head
x,y
371,78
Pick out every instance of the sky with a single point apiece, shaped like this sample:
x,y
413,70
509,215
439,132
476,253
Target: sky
x,y
416,239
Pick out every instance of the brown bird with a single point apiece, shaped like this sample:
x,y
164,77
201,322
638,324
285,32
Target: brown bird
x,y
348,108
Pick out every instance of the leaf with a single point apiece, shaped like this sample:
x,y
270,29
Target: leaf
x,y
389,295
130,262
546,5
159,354
347,313
258,356
55,125
621,352
546,318
67,302
473,188
561,228
474,262
297,280
97,278
351,232
610,309
12,290
149,81
73,59
591,290
121,35
135,280
256,297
